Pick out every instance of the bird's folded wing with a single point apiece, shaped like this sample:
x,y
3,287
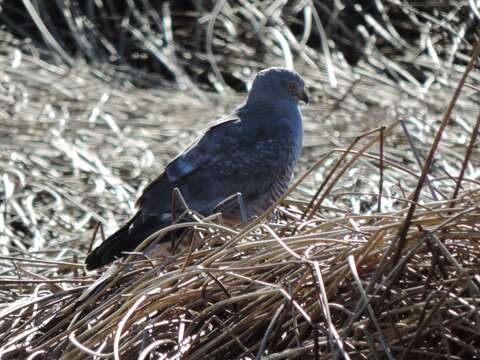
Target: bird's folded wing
x,y
201,151
220,139
230,157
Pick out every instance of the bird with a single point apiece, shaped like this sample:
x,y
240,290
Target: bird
x,y
251,152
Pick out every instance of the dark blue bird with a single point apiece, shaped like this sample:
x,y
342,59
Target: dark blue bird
x,y
251,151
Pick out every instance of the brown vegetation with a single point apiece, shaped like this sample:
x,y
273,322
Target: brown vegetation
x,y
373,253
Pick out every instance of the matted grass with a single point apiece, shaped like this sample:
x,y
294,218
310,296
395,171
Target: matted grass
x,y
345,267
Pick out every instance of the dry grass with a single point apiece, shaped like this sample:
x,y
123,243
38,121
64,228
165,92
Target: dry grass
x,y
373,254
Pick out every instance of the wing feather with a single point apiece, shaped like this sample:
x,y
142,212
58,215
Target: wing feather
x,y
197,154
230,157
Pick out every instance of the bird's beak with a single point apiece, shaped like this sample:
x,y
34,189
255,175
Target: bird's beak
x,y
304,97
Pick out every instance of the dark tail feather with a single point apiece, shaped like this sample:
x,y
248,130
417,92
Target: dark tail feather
x,y
127,238
111,248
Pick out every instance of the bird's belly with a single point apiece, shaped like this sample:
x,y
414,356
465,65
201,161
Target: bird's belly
x,y
267,198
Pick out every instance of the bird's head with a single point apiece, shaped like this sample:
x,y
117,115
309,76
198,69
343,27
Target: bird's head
x,y
278,83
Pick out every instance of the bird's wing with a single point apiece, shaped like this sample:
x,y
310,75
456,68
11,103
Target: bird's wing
x,y
230,157
200,151
252,166
206,148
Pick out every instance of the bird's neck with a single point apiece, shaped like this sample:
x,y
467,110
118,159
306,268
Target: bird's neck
x,y
270,105
280,115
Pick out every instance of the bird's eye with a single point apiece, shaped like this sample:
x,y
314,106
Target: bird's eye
x,y
291,86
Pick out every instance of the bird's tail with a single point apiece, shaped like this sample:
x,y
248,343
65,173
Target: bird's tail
x,y
111,248
127,238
